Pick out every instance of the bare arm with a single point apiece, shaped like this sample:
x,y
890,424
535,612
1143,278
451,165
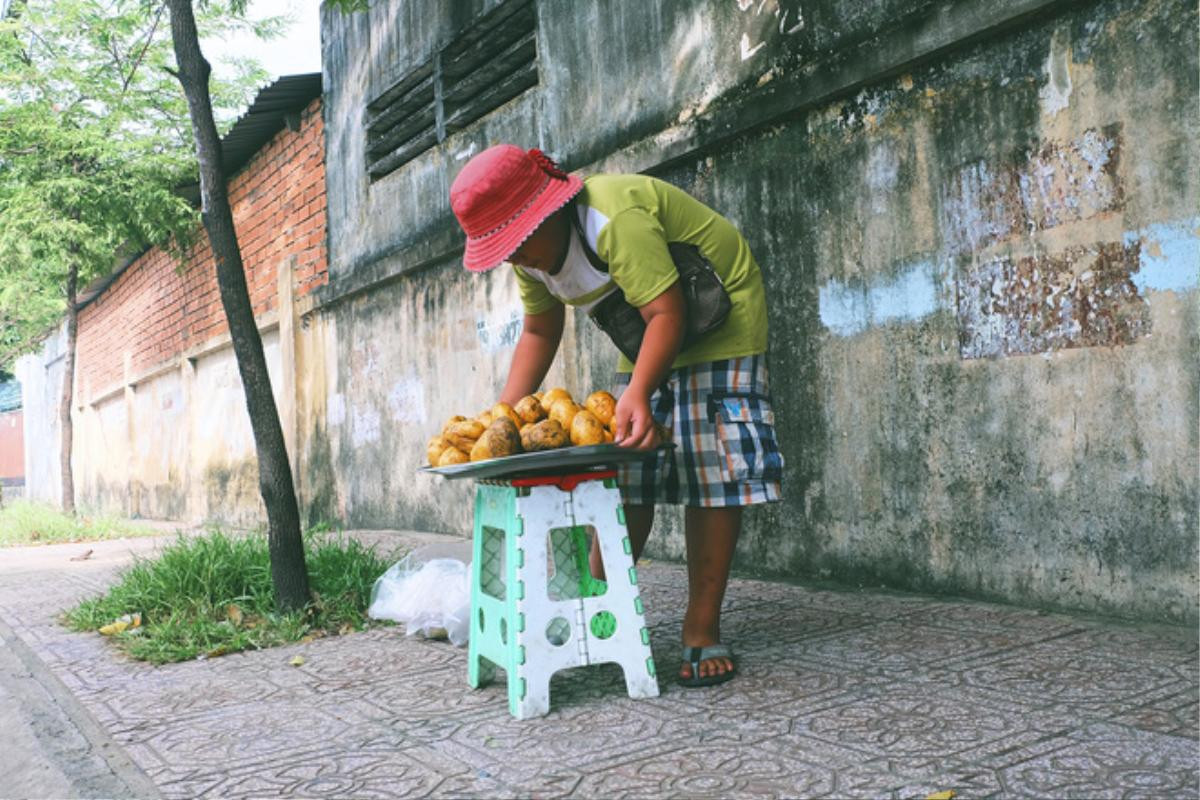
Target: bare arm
x,y
540,335
665,318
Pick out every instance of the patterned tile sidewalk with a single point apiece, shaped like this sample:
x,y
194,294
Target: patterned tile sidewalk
x,y
841,694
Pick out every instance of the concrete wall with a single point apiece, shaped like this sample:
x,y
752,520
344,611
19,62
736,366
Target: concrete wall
x,y
40,375
978,227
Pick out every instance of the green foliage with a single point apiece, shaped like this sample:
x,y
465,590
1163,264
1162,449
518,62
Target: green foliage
x,y
26,522
348,6
94,140
212,594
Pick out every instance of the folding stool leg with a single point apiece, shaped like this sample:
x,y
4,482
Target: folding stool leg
x,y
599,505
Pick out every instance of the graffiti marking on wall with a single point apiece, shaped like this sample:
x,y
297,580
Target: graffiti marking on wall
x,y
746,50
789,14
499,330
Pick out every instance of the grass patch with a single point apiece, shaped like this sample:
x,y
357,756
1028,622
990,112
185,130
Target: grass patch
x,y
210,595
25,522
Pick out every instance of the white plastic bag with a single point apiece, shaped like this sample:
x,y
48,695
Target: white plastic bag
x,y
426,596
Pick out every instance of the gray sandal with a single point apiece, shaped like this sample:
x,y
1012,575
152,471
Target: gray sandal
x,y
694,655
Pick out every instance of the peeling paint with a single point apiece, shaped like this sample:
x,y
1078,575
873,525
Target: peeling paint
x,y
987,202
1056,94
1063,184
1170,256
1082,297
847,309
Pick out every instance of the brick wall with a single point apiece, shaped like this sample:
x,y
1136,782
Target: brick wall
x,y
156,309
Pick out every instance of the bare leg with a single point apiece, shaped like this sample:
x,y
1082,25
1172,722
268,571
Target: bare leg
x,y
711,535
638,521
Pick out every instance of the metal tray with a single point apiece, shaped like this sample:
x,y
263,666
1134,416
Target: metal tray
x,y
562,460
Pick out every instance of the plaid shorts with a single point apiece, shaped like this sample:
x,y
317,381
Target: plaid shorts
x,y
720,417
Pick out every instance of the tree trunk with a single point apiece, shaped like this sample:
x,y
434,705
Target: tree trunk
x,y
288,572
68,394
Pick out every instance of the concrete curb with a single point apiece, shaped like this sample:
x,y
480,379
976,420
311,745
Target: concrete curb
x,y
56,710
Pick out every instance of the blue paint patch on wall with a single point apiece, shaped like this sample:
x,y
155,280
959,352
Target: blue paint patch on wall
x,y
1170,256
850,309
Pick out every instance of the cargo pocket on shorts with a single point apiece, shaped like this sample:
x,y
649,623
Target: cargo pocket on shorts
x,y
746,441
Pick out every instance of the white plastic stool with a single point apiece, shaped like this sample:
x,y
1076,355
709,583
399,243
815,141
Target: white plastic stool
x,y
535,608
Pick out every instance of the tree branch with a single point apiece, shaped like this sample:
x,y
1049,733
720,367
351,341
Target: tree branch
x,y
141,55
116,54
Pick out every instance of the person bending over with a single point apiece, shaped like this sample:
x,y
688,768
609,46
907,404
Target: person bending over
x,y
577,242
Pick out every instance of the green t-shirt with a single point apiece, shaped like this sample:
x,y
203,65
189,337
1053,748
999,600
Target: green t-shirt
x,y
628,221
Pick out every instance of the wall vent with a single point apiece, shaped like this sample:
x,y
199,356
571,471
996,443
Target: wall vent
x,y
488,64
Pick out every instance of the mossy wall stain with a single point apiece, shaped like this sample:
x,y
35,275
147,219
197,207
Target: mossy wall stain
x,y
160,500
231,494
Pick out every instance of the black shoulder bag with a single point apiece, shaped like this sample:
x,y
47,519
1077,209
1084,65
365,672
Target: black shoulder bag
x,y
704,294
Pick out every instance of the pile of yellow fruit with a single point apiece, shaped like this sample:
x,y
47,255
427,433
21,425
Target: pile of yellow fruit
x,y
541,421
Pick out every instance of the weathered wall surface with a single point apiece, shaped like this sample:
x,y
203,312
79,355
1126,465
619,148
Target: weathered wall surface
x,y
983,282
979,232
40,375
160,422
404,358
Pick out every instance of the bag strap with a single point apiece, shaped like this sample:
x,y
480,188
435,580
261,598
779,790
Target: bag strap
x,y
592,256
683,255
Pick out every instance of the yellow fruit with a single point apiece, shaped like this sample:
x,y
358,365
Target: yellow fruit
x,y
451,456
602,404
563,412
553,396
434,448
544,435
529,409
505,410
463,434
586,429
499,440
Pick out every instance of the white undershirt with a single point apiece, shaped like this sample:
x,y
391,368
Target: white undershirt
x,y
578,277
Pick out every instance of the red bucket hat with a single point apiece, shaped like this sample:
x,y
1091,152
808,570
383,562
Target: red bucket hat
x,y
500,198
